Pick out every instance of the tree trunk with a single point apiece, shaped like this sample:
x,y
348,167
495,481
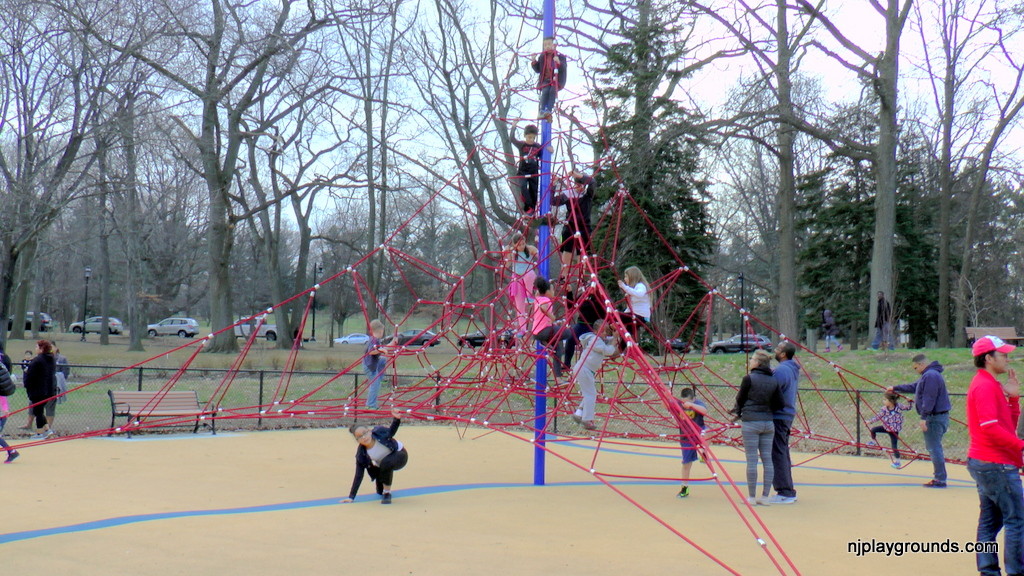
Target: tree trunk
x,y
786,296
104,272
885,161
25,265
945,206
135,276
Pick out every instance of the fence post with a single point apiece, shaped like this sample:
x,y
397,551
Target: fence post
x,y
437,393
259,421
857,423
355,396
140,378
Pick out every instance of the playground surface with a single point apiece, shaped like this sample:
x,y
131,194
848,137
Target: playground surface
x,y
269,503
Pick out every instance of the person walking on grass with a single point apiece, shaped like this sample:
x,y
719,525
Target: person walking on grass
x,y
40,385
5,409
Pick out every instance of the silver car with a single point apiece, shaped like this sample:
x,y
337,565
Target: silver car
x,y
94,324
180,327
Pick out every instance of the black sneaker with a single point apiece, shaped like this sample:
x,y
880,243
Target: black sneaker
x,y
386,498
12,456
934,484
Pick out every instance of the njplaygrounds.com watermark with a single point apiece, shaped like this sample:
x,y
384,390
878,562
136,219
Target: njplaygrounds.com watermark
x,y
864,547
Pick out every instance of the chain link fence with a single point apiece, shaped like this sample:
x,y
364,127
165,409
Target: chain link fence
x,y
829,420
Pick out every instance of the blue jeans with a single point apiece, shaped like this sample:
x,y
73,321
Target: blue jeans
x,y
937,426
883,333
1002,506
548,94
373,378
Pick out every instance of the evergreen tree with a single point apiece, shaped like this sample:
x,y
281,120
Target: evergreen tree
x,y
650,139
836,258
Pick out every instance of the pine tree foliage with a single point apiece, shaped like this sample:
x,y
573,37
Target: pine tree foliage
x,y
650,137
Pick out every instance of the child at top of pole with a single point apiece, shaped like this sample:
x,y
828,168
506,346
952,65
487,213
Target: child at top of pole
x,y
550,65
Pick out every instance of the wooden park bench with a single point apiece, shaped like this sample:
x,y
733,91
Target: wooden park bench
x,y
1007,333
137,406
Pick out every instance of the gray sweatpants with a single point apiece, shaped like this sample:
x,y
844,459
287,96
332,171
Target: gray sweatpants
x,y
757,440
585,379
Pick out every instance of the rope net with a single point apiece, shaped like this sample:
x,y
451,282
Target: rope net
x,y
472,362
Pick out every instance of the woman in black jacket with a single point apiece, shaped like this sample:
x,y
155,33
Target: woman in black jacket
x,y
759,397
40,379
379,455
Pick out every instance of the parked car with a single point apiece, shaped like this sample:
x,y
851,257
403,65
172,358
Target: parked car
x,y
268,331
414,338
506,339
354,338
95,324
679,345
742,343
45,323
182,327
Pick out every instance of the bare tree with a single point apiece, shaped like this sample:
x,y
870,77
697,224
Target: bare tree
x,y
50,85
221,56
881,73
972,40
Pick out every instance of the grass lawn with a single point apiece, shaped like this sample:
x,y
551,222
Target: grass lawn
x,y
829,407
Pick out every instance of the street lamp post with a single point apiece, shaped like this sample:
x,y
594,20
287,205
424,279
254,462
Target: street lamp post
x,y
316,269
85,303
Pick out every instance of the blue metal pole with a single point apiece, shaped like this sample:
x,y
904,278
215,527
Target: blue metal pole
x,y
541,375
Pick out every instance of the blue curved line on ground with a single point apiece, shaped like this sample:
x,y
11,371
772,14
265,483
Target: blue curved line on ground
x,y
952,481
431,490
421,491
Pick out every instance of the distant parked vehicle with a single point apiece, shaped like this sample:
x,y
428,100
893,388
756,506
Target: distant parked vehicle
x,y
268,331
180,327
354,338
743,343
505,339
414,338
95,324
45,323
679,345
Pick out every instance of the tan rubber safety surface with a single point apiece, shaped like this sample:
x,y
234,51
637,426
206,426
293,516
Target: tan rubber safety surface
x,y
268,503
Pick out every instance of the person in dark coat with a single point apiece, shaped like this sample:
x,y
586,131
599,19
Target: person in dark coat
x,y
831,331
883,324
931,399
552,70
378,455
759,397
40,381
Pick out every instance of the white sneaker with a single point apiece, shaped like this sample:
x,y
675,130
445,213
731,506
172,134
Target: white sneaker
x,y
763,501
779,499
